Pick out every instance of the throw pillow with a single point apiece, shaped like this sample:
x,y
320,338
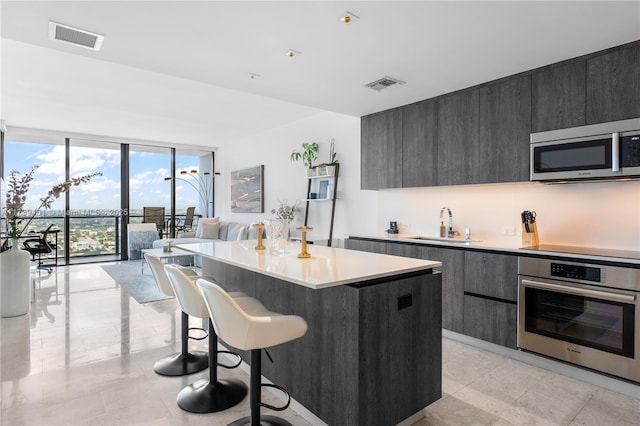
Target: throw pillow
x,y
252,233
235,232
204,220
210,230
242,235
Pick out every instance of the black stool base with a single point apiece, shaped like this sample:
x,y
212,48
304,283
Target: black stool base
x,y
203,397
180,365
264,421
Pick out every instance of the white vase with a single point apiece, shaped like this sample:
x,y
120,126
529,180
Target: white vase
x,y
15,289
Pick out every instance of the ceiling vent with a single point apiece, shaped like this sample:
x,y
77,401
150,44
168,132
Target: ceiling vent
x,y
75,36
383,83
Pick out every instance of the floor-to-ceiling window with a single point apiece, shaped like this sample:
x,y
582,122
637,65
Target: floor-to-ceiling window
x,y
22,152
91,218
148,167
95,216
194,183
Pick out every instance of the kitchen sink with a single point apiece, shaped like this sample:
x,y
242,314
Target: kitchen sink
x,y
440,239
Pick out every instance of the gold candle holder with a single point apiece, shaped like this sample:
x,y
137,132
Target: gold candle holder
x,y
260,226
304,254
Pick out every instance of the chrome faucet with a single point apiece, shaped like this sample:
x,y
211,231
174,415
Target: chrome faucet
x,y
450,233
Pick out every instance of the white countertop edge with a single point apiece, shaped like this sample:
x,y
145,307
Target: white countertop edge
x,y
425,265
323,284
488,245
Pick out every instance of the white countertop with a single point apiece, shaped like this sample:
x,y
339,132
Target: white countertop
x,y
327,267
619,256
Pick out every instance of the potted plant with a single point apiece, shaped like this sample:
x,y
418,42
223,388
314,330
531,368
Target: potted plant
x,y
308,154
15,292
328,169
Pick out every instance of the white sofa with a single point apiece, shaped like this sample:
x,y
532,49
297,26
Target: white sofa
x,y
224,231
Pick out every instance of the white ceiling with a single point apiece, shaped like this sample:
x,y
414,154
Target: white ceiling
x,y
179,70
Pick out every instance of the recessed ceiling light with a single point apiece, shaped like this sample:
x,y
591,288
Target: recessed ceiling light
x,y
253,75
292,53
349,17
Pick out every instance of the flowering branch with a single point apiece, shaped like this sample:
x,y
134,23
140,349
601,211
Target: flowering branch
x,y
285,211
17,197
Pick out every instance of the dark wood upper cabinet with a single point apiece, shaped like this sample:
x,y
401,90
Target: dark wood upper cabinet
x,y
381,150
505,125
613,85
419,144
481,134
458,143
558,97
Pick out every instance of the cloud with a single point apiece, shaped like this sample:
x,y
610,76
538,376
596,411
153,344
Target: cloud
x,y
83,160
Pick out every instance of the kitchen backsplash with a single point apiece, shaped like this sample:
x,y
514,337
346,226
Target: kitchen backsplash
x,y
605,214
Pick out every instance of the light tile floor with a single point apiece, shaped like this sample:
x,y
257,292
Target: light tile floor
x,y
84,355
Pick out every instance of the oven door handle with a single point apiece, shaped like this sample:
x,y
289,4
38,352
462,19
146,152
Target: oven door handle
x,y
614,297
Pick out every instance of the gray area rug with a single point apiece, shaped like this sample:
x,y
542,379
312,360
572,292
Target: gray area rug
x,y
142,287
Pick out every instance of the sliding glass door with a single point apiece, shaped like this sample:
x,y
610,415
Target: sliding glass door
x,y
95,216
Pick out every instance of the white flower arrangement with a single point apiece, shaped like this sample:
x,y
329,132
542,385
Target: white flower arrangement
x,y
16,197
286,211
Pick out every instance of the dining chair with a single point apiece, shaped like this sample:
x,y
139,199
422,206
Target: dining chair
x,y
186,224
154,215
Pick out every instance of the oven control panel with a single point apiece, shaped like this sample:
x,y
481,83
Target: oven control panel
x,y
630,151
578,272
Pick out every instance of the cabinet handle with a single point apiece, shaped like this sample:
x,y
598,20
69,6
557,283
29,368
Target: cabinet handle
x,y
405,301
613,297
615,152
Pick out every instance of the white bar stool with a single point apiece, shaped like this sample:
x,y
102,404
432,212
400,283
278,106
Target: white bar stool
x,y
183,362
212,395
244,323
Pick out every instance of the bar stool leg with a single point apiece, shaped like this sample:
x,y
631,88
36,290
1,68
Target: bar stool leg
x,y
255,385
212,395
184,362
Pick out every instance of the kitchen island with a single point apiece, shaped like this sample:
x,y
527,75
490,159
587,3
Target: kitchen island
x,y
372,354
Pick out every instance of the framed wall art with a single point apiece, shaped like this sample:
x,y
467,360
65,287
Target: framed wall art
x,y
247,187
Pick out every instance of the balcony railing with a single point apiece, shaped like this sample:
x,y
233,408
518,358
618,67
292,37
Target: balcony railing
x,y
89,235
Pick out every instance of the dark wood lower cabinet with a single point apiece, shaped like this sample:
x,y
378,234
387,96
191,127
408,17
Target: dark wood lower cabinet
x,y
479,288
370,246
372,354
453,274
491,274
490,320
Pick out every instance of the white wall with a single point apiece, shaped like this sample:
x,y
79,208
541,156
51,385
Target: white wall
x,y
605,215
356,211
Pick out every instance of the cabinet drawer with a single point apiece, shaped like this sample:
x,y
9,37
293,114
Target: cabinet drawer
x,y
491,274
490,320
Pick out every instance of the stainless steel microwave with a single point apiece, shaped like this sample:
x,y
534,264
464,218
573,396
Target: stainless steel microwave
x,y
599,151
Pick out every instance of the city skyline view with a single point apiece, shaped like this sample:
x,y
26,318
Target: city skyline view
x,y
95,213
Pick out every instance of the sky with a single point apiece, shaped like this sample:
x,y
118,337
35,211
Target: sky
x,y
147,173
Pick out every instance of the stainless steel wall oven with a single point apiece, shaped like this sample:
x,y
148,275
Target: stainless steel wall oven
x,y
583,313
